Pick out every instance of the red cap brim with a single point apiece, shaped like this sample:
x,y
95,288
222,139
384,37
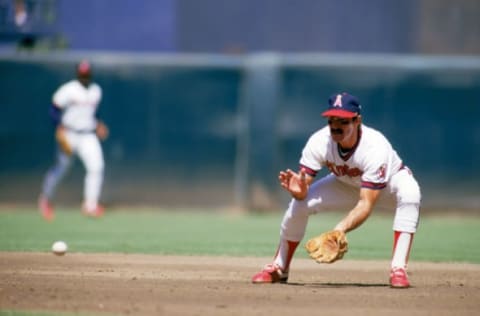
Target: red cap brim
x,y
339,113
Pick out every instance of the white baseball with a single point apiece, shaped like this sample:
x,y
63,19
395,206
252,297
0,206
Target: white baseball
x,y
59,248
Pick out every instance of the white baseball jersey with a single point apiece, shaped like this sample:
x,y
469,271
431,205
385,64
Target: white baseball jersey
x,y
79,104
370,164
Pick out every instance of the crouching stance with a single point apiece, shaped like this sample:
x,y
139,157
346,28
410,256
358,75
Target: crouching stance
x,y
365,172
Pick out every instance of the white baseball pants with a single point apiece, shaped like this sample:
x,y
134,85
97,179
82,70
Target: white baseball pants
x,y
402,194
88,149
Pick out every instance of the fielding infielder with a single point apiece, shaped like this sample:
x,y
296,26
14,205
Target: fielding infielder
x,y
78,131
366,172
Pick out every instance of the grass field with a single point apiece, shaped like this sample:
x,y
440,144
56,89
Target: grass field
x,y
183,262
183,232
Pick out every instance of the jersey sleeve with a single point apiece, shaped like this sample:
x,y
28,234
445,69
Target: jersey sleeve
x,y
61,97
55,114
375,172
313,155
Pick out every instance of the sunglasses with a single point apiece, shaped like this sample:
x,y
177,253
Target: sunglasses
x,y
341,121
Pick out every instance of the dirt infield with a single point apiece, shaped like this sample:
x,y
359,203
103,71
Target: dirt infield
x,y
124,284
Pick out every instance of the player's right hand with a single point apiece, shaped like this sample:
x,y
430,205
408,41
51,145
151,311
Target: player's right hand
x,y
295,183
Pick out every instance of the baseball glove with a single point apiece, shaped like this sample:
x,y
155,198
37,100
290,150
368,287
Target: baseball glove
x,y
62,141
328,247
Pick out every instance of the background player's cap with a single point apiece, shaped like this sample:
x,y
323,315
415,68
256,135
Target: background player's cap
x,y
84,68
342,105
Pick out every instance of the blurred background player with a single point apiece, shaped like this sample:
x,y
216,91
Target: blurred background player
x,y
78,131
366,172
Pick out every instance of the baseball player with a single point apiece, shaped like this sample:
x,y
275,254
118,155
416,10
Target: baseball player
x,y
365,172
77,133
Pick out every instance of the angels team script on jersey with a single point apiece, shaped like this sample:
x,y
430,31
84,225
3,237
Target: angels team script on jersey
x,y
344,170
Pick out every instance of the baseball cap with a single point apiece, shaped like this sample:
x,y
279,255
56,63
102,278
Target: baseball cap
x,y
84,68
343,105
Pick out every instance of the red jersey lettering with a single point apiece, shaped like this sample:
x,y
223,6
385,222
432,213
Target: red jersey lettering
x,y
343,170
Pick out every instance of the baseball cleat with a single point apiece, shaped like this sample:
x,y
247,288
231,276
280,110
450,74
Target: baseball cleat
x,y
95,212
46,208
398,278
271,273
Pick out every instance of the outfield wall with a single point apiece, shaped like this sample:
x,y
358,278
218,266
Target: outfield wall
x,y
214,130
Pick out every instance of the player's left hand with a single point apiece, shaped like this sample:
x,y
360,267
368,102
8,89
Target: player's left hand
x,y
101,130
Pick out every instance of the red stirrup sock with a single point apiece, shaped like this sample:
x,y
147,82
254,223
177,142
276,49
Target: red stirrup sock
x,y
284,254
402,244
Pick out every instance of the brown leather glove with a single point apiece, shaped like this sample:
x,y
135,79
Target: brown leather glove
x,y
328,247
62,141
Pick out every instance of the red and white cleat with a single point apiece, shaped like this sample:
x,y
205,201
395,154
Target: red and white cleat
x,y
95,212
271,273
46,208
399,279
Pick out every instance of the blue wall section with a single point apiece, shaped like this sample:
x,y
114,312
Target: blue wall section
x,y
218,26
213,130
147,25
296,26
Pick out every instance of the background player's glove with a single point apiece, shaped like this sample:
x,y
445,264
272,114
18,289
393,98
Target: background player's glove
x,y
328,247
101,130
62,140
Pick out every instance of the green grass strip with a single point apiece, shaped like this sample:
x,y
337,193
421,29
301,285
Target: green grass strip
x,y
181,232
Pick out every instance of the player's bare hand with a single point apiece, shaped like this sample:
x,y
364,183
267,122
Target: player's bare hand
x,y
295,183
102,130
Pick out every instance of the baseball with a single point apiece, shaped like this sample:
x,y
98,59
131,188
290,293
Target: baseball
x,y
59,248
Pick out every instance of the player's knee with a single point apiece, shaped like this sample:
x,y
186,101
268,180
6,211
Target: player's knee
x,y
409,194
95,168
95,172
60,168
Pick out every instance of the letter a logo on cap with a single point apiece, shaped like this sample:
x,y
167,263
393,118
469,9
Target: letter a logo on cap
x,y
338,101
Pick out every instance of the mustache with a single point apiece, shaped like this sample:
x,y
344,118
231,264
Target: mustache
x,y
336,131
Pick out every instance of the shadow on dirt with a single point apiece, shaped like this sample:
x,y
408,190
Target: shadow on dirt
x,y
339,285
